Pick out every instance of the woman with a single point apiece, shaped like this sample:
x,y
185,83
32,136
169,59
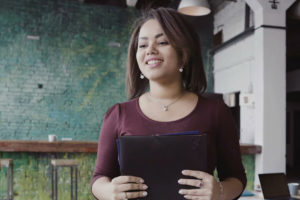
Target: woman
x,y
165,80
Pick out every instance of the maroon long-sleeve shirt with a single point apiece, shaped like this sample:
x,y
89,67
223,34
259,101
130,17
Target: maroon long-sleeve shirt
x,y
210,116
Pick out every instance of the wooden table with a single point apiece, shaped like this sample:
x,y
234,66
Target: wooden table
x,y
78,146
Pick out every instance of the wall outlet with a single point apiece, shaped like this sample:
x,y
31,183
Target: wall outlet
x,y
247,99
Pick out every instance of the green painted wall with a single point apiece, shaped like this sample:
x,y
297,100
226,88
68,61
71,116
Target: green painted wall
x,y
32,176
62,65
79,61
249,164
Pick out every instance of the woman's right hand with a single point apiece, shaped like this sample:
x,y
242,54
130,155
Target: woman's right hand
x,y
127,187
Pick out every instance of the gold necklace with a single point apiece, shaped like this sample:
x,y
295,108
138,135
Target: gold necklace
x,y
166,107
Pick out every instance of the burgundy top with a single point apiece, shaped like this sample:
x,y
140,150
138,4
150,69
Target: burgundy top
x,y
210,116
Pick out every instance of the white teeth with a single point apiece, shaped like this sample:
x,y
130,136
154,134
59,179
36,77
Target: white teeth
x,y
151,62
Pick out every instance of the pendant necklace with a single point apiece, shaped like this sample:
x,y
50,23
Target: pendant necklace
x,y
166,107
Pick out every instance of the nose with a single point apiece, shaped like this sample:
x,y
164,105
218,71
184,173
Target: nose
x,y
151,49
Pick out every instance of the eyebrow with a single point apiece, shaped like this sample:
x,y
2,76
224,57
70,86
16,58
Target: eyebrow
x,y
156,36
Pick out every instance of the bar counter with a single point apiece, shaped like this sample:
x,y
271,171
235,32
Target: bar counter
x,y
78,146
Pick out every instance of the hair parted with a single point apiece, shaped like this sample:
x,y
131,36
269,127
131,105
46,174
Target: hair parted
x,y
183,37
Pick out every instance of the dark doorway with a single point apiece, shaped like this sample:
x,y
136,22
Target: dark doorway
x,y
293,92
293,136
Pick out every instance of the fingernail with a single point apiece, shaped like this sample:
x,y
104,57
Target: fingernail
x,y
184,172
179,181
180,191
141,181
145,187
145,193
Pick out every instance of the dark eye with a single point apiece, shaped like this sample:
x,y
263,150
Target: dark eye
x,y
163,43
142,46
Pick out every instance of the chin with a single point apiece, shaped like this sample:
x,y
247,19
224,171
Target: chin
x,y
159,79
153,78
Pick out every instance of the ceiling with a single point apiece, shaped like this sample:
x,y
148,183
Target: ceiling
x,y
142,4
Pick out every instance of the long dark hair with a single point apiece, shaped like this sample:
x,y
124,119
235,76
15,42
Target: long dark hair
x,y
183,37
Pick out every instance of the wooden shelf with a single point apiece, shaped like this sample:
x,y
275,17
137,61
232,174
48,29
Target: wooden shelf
x,y
250,149
77,146
45,146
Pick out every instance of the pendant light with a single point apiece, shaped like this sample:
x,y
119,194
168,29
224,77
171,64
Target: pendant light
x,y
194,7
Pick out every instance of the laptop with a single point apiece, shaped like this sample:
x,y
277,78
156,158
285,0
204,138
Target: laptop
x,y
274,186
160,159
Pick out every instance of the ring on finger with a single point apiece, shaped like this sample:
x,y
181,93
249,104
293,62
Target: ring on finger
x,y
125,194
200,183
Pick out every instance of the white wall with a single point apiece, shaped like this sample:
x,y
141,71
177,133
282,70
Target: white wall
x,y
230,19
232,67
255,67
233,71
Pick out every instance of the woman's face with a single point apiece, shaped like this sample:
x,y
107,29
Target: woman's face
x,y
156,57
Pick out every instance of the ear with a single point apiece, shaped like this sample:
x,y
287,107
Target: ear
x,y
183,58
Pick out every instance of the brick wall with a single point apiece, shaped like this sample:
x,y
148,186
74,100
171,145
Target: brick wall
x,y
62,64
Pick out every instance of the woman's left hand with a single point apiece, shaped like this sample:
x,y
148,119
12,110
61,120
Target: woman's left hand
x,y
207,186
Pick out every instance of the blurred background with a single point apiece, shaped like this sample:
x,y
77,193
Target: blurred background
x,y
63,63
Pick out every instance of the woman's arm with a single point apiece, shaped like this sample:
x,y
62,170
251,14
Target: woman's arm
x,y
101,189
232,187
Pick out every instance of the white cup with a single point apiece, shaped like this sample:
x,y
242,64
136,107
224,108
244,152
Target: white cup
x,y
52,138
293,187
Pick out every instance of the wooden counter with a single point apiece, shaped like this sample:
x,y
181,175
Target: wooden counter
x,y
250,149
45,146
77,146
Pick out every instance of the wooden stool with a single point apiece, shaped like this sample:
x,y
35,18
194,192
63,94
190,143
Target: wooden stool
x,y
9,164
55,164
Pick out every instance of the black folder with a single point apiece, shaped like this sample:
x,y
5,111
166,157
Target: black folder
x,y
160,159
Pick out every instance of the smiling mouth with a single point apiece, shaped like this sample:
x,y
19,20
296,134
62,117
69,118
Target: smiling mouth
x,y
152,62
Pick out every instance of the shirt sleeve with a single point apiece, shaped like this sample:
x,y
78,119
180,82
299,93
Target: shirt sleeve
x,y
229,162
107,155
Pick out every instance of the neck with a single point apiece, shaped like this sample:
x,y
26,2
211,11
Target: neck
x,y
166,92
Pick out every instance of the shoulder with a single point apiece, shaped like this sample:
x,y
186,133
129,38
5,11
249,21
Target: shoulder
x,y
121,108
211,100
214,105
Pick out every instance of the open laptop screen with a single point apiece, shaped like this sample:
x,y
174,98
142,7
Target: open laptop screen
x,y
274,185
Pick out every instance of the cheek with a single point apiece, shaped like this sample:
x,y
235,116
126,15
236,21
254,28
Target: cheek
x,y
173,58
139,58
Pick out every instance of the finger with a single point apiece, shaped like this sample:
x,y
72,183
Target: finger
x,y
127,179
191,182
193,192
195,197
132,195
196,174
130,186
